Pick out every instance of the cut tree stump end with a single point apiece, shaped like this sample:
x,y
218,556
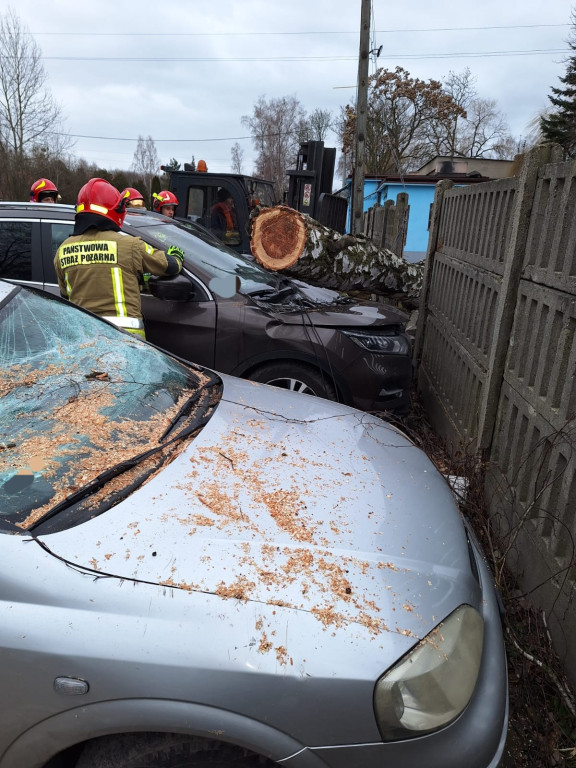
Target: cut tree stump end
x,y
278,237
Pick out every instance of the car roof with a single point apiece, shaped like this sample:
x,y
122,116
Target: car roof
x,y
56,209
10,205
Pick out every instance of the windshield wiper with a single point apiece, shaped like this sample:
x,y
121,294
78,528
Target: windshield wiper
x,y
187,406
200,419
273,295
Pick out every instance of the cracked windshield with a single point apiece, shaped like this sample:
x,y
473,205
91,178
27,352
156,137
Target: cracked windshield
x,y
77,398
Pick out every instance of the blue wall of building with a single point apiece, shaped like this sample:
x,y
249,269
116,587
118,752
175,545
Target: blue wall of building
x,y
420,198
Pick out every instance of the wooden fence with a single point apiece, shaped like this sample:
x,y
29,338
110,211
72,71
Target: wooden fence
x,y
495,356
386,225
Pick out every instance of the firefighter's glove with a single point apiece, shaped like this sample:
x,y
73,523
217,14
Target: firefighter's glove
x,y
177,253
145,281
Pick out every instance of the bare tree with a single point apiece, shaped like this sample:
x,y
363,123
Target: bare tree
x,y
146,162
320,122
316,126
486,133
30,120
342,126
444,133
479,129
276,126
237,157
28,113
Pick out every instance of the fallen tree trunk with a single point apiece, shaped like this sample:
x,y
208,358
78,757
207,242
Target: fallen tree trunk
x,y
284,239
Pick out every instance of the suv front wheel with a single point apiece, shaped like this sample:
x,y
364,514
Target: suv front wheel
x,y
296,377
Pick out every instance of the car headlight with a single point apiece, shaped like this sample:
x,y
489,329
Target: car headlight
x,y
384,343
434,682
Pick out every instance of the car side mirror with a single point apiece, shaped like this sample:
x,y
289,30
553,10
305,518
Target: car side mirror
x,y
176,289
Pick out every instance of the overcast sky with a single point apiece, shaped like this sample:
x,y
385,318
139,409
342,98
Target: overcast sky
x,y
185,72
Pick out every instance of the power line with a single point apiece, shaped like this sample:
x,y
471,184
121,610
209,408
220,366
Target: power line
x,y
172,59
185,141
156,141
476,29
292,59
312,32
476,55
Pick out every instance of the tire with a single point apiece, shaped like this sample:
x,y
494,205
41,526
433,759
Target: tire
x,y
296,377
165,750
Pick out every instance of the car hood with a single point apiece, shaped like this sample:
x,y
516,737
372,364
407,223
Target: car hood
x,y
298,503
355,314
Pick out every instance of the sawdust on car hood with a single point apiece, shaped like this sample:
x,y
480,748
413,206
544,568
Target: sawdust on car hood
x,y
298,503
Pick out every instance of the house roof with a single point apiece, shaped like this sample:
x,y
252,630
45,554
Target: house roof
x,y
418,178
462,158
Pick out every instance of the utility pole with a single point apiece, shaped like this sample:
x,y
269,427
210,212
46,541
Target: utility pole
x,y
361,110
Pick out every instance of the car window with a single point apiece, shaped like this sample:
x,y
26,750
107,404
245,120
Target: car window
x,y
59,231
196,205
261,194
77,397
16,250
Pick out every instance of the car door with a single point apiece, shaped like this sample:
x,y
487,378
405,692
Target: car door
x,y
185,328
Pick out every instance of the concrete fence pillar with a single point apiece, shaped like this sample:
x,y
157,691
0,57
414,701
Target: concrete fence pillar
x,y
403,211
440,190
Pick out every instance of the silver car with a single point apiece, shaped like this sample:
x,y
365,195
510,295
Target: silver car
x,y
197,569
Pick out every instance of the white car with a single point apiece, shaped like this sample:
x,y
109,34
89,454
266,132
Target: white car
x,y
197,569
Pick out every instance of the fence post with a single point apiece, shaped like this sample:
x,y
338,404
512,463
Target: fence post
x,y
388,210
369,231
377,229
441,188
402,210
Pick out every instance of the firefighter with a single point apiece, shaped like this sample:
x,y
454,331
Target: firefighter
x,y
100,268
135,199
165,202
43,191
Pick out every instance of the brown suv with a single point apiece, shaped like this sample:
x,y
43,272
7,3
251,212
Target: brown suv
x,y
226,312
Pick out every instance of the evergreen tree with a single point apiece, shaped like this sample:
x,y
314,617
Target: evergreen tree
x,y
560,125
173,165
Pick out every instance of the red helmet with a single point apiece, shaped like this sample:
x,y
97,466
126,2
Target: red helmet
x,y
42,188
163,198
135,198
99,196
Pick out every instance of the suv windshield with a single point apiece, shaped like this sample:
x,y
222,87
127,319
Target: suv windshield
x,y
216,261
81,401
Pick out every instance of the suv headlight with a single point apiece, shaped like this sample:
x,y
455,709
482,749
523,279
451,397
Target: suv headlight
x,y
433,683
386,343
